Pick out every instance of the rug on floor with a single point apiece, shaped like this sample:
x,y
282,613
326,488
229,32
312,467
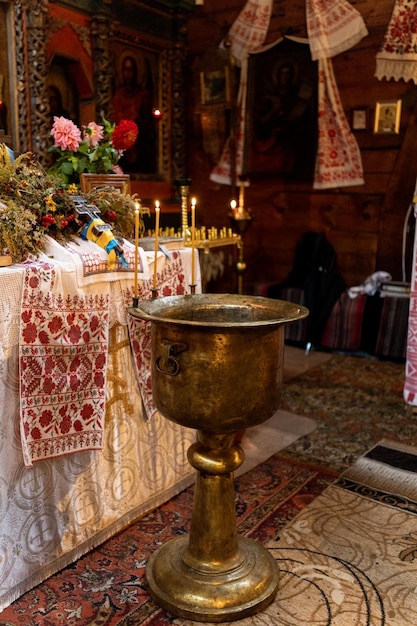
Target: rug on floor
x,y
356,402
107,586
347,554
350,557
281,430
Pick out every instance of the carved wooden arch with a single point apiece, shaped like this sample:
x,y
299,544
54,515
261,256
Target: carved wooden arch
x,y
65,43
35,27
69,44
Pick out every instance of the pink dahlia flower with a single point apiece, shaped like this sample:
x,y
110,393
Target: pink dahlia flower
x,y
93,133
66,134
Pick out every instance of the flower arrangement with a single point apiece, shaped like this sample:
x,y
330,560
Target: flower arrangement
x,y
95,150
34,203
118,210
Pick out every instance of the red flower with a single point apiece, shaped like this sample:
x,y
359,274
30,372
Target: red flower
x,y
35,433
30,333
74,334
46,418
87,411
124,135
55,325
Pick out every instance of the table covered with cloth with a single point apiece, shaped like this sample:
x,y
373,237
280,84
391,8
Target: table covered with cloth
x,y
83,451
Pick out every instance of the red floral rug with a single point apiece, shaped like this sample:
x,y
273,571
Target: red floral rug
x,y
107,586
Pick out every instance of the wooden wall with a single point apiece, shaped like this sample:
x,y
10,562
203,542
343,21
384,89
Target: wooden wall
x,y
364,223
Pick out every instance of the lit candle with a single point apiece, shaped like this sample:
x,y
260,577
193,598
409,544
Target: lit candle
x,y
157,211
233,205
242,196
137,207
193,203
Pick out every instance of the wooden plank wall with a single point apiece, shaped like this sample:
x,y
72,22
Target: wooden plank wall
x,y
364,223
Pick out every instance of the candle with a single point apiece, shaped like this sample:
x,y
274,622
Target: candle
x,y
242,195
137,207
193,203
157,211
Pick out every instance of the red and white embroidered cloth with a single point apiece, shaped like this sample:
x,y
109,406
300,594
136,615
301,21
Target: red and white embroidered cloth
x,y
410,384
62,360
90,262
247,34
338,160
63,347
397,57
172,281
333,26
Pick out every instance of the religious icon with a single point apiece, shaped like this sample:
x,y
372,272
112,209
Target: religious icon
x,y
135,98
360,119
387,117
215,86
282,111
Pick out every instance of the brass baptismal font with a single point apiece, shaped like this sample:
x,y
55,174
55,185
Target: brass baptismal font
x,y
217,363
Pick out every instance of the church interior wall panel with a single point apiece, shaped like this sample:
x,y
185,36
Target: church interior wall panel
x,y
357,224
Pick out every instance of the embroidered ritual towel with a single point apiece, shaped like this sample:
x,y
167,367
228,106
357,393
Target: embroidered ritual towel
x,y
172,280
222,172
91,262
247,34
63,357
11,286
410,385
397,57
333,26
338,161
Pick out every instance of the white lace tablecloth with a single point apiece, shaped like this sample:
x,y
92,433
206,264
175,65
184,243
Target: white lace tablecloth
x,y
58,509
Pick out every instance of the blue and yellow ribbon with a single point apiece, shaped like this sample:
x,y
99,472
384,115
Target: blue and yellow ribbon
x,y
103,237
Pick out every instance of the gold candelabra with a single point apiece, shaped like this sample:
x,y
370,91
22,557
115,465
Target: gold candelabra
x,y
183,186
241,219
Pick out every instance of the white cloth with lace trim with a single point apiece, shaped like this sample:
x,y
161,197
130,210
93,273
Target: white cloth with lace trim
x,y
333,27
397,57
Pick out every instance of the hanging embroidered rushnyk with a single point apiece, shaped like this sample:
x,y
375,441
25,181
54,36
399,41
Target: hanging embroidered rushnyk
x,y
246,35
338,161
397,57
333,27
63,351
410,384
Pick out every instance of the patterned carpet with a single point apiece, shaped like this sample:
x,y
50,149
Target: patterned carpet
x,y
107,586
356,403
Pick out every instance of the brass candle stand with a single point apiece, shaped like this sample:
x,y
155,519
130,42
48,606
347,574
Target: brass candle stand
x,y
241,218
217,363
183,186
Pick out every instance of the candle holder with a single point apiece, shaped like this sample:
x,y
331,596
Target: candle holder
x,y
241,218
183,186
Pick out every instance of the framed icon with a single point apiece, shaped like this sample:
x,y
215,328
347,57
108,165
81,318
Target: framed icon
x,y
359,119
215,86
387,117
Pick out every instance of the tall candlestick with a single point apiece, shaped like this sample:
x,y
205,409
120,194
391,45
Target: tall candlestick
x,y
137,206
242,195
193,203
157,211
